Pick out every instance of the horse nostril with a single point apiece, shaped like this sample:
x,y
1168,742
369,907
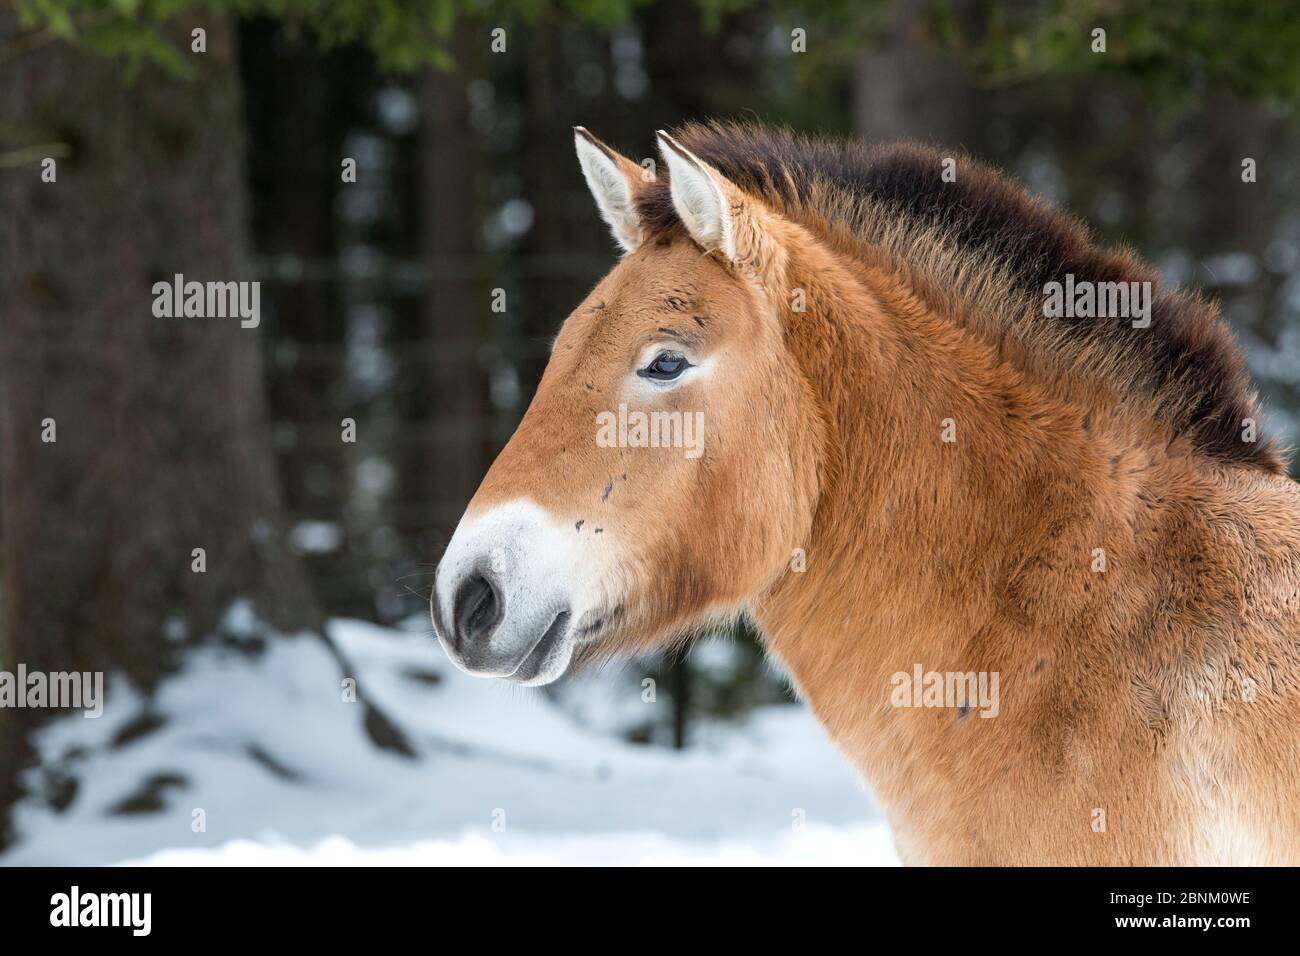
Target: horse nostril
x,y
476,610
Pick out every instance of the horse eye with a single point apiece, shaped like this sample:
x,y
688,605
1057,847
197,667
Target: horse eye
x,y
665,367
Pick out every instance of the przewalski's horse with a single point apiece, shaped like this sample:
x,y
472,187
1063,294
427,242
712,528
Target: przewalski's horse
x,y
908,469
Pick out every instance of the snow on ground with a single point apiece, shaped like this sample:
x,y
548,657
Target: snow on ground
x,y
283,774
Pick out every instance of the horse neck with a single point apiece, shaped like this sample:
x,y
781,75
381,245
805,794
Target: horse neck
x,y
914,537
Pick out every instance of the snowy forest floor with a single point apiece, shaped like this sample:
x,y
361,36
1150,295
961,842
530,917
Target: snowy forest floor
x,y
283,773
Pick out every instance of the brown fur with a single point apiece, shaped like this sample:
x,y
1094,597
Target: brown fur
x,y
1162,691
982,249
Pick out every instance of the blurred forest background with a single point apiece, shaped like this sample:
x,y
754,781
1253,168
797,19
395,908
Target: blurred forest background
x,y
377,295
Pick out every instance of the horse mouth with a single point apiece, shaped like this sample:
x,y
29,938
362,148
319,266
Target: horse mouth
x,y
535,660
594,623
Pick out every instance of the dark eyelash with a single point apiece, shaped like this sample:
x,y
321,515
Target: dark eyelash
x,y
665,375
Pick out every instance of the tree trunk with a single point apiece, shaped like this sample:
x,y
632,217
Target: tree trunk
x,y
161,443
905,88
447,470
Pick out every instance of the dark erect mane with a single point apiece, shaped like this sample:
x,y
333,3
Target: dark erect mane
x,y
992,245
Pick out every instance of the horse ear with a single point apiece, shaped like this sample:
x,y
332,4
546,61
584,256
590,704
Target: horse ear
x,y
612,179
719,215
699,196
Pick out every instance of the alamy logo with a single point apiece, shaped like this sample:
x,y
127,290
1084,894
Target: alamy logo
x,y
1098,300
58,690
961,690
103,909
208,300
655,429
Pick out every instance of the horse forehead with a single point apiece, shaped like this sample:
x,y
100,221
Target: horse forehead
x,y
667,269
637,292
685,279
